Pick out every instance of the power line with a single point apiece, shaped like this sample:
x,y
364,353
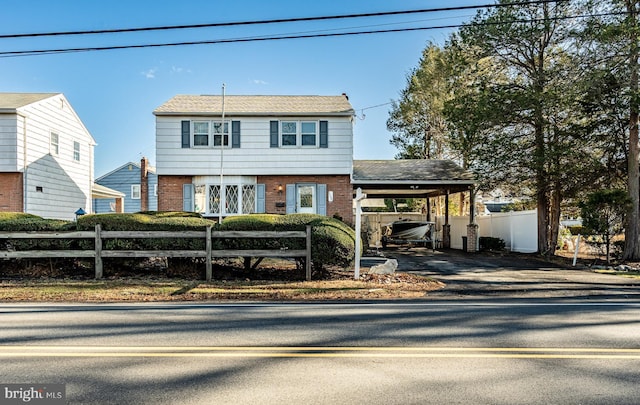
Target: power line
x,y
8,54
272,21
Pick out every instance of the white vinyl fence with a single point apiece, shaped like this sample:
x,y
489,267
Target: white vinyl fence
x,y
518,229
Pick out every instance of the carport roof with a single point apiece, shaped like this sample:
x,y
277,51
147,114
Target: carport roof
x,y
410,178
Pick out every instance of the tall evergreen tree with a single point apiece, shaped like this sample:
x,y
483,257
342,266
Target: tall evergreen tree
x,y
527,109
416,119
611,44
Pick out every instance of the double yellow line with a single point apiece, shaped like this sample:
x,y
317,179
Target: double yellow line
x,y
320,352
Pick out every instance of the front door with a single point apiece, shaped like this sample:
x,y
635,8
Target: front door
x,y
306,198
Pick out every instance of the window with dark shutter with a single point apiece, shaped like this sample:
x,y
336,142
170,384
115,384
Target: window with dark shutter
x,y
324,134
186,134
273,132
235,134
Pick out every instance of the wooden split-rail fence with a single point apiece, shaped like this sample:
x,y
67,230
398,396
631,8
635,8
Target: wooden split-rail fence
x,y
208,253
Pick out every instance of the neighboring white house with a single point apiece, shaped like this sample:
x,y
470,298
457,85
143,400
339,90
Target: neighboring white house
x,y
46,156
276,154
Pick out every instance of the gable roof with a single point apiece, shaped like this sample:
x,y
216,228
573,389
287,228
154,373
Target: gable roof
x,y
10,102
256,105
150,169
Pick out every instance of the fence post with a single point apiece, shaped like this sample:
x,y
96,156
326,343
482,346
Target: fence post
x,y
208,247
308,258
98,252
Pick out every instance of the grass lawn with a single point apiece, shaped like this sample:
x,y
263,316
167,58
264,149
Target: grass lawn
x,y
146,290
275,280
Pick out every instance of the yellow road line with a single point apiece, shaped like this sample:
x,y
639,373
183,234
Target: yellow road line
x,y
321,352
323,348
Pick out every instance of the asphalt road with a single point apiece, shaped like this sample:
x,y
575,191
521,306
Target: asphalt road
x,y
444,351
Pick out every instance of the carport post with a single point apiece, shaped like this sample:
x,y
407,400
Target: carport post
x,y
359,197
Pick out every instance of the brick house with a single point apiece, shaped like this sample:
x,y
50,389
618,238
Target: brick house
x,y
234,155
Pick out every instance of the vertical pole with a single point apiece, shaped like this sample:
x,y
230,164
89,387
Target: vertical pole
x,y
222,190
359,197
446,208
575,253
308,258
208,271
98,252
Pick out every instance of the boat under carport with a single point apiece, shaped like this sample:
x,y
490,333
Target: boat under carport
x,y
416,178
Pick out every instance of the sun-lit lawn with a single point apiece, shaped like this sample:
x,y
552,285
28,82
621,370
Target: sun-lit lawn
x,y
63,290
628,274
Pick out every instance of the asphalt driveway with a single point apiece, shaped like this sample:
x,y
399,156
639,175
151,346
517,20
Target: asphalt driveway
x,y
516,276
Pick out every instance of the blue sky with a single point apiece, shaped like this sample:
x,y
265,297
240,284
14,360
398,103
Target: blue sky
x,y
115,92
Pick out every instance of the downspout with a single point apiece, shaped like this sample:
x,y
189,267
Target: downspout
x,y
24,161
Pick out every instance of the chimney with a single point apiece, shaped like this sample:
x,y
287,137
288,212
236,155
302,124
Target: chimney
x,y
144,184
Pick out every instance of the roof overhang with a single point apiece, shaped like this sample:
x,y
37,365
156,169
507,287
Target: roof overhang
x,y
410,178
100,192
254,114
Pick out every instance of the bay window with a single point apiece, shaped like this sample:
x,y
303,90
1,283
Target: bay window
x,y
231,199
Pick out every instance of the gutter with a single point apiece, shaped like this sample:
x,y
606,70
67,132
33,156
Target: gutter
x,y
349,113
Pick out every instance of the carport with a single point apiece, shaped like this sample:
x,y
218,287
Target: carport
x,y
415,178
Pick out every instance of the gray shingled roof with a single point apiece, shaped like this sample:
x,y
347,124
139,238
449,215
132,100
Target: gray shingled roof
x,y
256,105
13,101
411,170
409,178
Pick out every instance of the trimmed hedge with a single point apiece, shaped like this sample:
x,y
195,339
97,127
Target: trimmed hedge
x,y
333,242
20,222
147,221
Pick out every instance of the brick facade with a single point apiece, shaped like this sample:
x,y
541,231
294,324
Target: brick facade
x,y
339,186
472,238
170,192
11,192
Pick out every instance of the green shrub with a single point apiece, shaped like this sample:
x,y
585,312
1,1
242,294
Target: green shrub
x,y
147,221
490,243
20,222
333,242
577,230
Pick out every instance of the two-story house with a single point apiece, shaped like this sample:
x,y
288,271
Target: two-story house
x,y
138,184
235,155
46,156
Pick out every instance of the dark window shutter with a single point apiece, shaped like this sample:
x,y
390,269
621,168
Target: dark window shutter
x,y
260,199
291,198
273,132
186,134
187,197
235,134
324,134
321,199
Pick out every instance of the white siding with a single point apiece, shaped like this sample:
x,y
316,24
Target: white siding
x,y
56,186
255,156
9,143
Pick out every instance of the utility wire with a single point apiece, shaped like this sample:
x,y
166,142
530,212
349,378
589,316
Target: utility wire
x,y
8,54
274,21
